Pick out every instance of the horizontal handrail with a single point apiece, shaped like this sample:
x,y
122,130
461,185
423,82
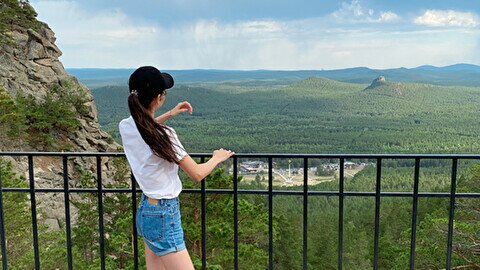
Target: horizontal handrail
x,y
263,155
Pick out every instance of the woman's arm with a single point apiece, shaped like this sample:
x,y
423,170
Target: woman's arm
x,y
181,107
199,171
164,117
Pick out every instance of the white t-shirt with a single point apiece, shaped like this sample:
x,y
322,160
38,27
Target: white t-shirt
x,y
157,177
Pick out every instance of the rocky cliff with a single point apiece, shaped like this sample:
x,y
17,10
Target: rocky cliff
x,y
29,65
377,82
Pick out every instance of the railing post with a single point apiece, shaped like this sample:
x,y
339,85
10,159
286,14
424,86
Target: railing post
x,y
2,224
305,212
134,223
100,211
270,213
451,213
66,196
235,214
340,214
34,211
414,213
204,220
377,213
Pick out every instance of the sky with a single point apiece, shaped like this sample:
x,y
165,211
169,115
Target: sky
x,y
263,34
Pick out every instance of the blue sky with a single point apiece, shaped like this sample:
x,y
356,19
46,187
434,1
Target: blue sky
x,y
260,34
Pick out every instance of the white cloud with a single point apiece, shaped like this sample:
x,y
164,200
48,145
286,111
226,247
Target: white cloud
x,y
261,26
99,38
110,25
388,16
110,38
354,12
448,18
354,8
206,30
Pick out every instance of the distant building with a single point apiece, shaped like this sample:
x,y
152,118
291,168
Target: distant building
x,y
253,166
336,166
349,165
331,166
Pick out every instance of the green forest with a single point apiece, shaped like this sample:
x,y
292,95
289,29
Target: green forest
x,y
315,115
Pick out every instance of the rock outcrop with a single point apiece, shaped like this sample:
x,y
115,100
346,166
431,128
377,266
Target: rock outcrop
x,y
377,82
30,65
381,86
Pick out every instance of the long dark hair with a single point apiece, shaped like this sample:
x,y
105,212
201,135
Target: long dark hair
x,y
145,84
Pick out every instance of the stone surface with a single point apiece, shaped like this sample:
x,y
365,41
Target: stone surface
x,y
31,66
52,224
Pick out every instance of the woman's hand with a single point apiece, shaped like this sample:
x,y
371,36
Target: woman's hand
x,y
222,154
181,107
199,171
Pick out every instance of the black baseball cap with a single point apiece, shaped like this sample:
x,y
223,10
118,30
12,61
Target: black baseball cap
x,y
150,79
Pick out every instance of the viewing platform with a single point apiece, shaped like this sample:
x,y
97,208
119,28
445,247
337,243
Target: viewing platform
x,y
269,193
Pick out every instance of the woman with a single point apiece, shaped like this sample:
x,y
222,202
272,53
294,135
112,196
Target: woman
x,y
154,154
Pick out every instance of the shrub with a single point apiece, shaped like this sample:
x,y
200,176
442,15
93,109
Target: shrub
x,y
10,120
41,123
16,13
72,94
45,120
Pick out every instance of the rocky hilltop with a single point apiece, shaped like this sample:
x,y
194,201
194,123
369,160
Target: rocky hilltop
x,y
395,89
377,82
29,66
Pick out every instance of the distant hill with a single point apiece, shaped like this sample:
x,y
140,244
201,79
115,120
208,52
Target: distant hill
x,y
316,115
458,74
456,67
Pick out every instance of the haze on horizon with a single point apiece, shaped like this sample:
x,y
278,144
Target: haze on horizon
x,y
273,35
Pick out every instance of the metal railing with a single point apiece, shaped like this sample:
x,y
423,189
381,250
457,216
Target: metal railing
x,y
270,192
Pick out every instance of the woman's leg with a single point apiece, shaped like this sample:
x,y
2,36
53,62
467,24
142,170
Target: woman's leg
x,y
172,261
153,261
179,260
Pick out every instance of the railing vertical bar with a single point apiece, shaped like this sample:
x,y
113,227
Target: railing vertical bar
x,y
340,214
204,221
451,213
235,214
34,211
377,212
2,225
66,196
305,212
100,212
134,221
270,213
414,214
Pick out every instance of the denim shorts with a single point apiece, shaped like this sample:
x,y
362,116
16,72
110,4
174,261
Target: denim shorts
x,y
160,225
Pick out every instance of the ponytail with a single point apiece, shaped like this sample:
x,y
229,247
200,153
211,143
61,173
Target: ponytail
x,y
153,133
